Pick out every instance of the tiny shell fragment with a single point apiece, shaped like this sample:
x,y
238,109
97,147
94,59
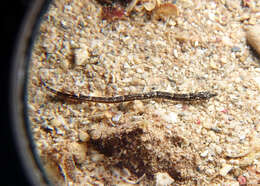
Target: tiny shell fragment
x,y
163,179
187,3
138,106
257,81
81,55
165,10
183,37
131,6
150,5
253,37
225,169
204,154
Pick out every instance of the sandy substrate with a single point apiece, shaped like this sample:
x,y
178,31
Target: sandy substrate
x,y
151,142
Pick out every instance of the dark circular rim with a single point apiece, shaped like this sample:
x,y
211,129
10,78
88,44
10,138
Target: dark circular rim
x,y
18,95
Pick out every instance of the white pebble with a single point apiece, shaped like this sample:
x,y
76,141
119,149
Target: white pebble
x,y
220,108
242,136
81,55
97,157
139,70
60,132
257,80
187,3
163,179
170,117
210,172
59,121
227,41
234,162
232,183
258,127
204,154
218,149
175,53
179,106
212,16
225,169
116,118
258,107
257,69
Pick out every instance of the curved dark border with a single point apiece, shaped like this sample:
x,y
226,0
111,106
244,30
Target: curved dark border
x,y
18,96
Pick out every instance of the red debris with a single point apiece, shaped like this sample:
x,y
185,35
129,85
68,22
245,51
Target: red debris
x,y
224,111
241,180
198,122
112,13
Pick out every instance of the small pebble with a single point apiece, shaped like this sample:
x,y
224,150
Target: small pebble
x,y
170,117
138,106
210,172
81,55
227,41
175,53
242,137
234,162
258,107
149,5
97,157
218,149
235,49
64,64
225,169
257,81
58,121
257,127
187,3
204,154
165,10
78,151
46,127
116,118
163,179
83,136
179,106
231,183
